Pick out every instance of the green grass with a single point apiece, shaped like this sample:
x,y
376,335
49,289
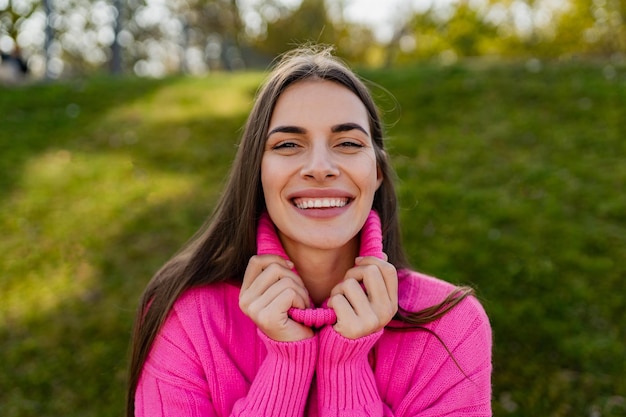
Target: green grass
x,y
511,181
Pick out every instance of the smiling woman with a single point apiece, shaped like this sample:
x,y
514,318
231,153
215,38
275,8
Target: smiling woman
x,y
296,298
319,163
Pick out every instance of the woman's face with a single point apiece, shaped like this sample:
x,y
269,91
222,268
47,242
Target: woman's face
x,y
319,170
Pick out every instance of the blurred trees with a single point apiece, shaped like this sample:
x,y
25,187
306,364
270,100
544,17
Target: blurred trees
x,y
594,27
518,28
309,22
14,18
184,35
313,21
462,31
14,15
157,37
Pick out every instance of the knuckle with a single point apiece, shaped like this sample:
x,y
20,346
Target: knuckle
x,y
383,320
388,312
255,260
373,322
389,269
273,268
244,303
347,282
289,292
351,283
288,280
253,308
264,318
285,285
394,308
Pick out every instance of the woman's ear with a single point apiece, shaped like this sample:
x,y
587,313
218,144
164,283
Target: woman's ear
x,y
381,155
379,176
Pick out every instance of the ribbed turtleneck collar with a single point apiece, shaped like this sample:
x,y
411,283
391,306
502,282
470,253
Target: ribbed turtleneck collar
x,y
268,243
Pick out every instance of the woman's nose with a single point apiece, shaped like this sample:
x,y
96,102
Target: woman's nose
x,y
320,164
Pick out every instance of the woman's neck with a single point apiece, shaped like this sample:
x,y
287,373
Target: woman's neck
x,y
322,269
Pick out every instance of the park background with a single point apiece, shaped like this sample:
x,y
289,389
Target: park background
x,y
505,123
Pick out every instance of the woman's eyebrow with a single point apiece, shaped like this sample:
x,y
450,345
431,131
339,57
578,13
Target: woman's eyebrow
x,y
342,127
346,127
287,129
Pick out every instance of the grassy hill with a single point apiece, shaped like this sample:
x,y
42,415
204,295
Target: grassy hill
x,y
511,179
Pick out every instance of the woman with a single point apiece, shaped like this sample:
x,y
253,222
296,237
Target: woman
x,y
296,298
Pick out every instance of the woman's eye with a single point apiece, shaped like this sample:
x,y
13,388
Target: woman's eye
x,y
350,144
285,145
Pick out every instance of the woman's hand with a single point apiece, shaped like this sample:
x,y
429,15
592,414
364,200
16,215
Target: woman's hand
x,y
269,289
363,312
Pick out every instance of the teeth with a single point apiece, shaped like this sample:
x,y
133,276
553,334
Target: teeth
x,y
320,202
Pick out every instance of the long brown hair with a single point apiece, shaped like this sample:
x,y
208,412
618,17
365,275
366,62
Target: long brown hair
x,y
220,251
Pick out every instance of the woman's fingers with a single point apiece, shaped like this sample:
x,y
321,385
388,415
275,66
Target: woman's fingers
x,y
387,272
355,315
263,272
257,264
297,294
269,289
367,299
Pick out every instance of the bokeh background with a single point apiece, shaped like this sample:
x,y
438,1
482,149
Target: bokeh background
x,y
505,121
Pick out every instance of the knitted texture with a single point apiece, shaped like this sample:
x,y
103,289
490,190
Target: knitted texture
x,y
209,359
313,317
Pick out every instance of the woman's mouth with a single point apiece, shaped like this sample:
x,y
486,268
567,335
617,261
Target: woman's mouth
x,y
317,203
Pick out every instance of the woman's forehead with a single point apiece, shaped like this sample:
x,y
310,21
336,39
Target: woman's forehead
x,y
316,101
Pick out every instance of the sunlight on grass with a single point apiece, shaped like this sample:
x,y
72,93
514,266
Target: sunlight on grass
x,y
194,98
67,206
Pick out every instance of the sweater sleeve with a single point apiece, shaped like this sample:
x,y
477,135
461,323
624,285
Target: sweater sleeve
x,y
345,381
282,385
444,372
174,377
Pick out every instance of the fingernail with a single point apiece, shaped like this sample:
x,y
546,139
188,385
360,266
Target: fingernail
x,y
358,259
290,264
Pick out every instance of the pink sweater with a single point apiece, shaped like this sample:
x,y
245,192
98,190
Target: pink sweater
x,y
209,359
